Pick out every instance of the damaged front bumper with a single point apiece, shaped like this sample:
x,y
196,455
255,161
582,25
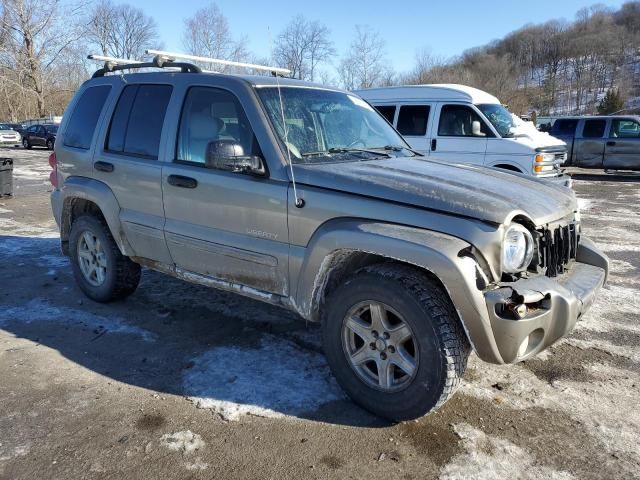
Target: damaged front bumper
x,y
530,314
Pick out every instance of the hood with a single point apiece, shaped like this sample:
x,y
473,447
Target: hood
x,y
482,193
525,133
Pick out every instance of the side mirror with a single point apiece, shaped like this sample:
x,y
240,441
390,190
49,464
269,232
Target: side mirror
x,y
476,129
230,156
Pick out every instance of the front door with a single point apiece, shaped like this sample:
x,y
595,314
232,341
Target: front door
x,y
454,139
622,151
227,225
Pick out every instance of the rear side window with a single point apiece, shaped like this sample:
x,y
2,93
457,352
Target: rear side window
x,y
85,116
387,111
412,120
594,128
625,129
565,127
136,125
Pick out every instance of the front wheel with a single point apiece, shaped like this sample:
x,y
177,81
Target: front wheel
x,y
394,341
49,144
100,270
26,144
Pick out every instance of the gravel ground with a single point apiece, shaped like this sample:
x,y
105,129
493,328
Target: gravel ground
x,y
184,382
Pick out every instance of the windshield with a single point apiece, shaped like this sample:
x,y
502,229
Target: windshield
x,y
324,125
4,126
499,117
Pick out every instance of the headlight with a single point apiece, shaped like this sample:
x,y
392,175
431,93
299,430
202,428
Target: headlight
x,y
517,249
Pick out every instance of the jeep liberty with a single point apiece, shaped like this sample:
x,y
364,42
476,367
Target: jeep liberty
x,y
303,196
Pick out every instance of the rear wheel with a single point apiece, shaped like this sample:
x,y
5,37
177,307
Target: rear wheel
x,y
394,342
100,270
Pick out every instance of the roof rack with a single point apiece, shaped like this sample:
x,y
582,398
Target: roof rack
x,y
112,64
172,56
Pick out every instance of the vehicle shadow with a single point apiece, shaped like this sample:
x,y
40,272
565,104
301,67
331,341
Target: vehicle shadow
x,y
224,352
601,176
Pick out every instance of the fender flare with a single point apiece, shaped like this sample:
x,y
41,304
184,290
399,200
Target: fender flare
x,y
444,256
100,194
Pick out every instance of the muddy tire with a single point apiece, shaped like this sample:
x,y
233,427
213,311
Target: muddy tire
x,y
394,341
100,270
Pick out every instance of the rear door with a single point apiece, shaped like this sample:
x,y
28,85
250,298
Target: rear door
x,y
413,125
622,150
128,162
453,138
229,226
589,145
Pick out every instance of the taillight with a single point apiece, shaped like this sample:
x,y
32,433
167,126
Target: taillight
x,y
53,176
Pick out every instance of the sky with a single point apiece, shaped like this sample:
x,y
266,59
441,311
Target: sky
x,y
445,28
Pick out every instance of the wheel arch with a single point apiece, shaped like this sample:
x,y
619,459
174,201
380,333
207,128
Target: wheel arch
x,y
88,196
508,166
345,245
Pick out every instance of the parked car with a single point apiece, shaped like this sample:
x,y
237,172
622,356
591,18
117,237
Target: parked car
x,y
611,143
457,123
8,136
303,196
40,136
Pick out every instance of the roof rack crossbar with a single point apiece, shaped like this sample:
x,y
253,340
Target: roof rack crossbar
x,y
113,64
195,58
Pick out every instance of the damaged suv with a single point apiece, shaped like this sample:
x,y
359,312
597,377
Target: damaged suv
x,y
303,196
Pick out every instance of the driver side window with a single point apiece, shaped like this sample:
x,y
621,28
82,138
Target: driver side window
x,y
456,121
212,115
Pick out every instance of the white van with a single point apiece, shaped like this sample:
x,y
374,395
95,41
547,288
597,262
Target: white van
x,y
464,124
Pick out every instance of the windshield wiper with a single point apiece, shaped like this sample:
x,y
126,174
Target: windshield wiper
x,y
334,150
399,148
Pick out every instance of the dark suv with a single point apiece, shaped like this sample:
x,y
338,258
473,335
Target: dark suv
x,y
40,136
303,196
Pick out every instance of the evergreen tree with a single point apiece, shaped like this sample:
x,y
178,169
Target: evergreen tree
x,y
611,103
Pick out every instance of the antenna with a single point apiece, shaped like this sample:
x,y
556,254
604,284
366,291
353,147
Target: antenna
x,y
229,63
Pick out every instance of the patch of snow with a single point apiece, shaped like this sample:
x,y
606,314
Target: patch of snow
x,y
197,464
7,453
276,378
4,210
38,310
493,458
185,442
584,204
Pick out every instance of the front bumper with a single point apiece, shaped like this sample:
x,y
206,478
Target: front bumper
x,y
553,305
10,141
560,180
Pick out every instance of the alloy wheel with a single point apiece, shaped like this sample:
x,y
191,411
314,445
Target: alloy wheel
x,y
92,259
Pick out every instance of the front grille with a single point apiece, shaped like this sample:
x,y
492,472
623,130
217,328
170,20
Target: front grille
x,y
556,249
560,157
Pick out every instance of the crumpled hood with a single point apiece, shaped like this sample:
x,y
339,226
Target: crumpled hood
x,y
478,192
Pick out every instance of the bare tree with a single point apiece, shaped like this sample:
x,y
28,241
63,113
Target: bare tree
x,y
207,34
122,30
364,65
34,38
301,46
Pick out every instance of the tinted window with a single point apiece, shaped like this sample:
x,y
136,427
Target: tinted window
x,y
387,111
211,115
625,129
412,120
457,121
565,127
136,125
84,118
594,128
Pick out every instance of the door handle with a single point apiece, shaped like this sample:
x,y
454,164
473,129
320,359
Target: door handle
x,y
183,182
103,166
433,144
611,143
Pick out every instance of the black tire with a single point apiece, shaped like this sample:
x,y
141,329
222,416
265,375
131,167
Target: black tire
x,y
49,144
439,337
26,144
122,275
